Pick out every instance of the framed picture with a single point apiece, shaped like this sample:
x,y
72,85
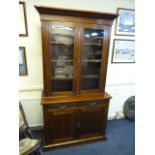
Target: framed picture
x,y
123,51
22,61
125,24
23,31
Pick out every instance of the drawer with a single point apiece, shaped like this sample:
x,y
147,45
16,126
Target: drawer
x,y
93,103
61,106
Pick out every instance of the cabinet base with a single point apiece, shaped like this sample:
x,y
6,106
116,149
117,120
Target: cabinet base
x,y
74,142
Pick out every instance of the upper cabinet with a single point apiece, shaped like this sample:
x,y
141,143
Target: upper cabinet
x,y
75,51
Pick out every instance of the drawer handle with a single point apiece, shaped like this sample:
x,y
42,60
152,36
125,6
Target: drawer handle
x,y
92,103
62,106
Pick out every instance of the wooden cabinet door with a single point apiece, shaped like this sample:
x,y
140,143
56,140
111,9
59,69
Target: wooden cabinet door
x,y
94,55
60,124
92,120
59,52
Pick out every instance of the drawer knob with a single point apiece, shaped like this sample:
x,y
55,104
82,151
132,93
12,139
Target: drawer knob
x,y
62,106
92,103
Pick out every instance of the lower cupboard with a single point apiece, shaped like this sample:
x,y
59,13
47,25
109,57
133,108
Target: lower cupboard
x,y
74,122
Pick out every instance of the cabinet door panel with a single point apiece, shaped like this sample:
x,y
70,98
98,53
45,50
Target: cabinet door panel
x,y
61,125
91,57
62,40
92,120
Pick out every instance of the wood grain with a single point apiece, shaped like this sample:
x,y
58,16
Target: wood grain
x,y
76,116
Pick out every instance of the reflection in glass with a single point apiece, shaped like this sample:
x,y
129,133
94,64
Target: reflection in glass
x,y
62,85
91,60
90,84
62,51
62,69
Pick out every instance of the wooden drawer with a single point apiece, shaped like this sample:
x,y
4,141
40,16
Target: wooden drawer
x,y
61,106
93,103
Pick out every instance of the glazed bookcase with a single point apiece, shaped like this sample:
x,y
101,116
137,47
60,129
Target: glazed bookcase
x,y
75,56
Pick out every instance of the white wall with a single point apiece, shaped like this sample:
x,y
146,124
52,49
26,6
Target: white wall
x,y
120,77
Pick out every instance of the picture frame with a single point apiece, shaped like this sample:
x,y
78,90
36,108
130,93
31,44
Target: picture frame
x,y
125,23
23,29
22,61
123,51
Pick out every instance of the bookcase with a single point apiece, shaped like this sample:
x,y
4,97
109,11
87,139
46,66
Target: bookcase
x,y
75,56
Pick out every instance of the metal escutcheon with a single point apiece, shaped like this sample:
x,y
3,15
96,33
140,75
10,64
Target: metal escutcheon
x,y
92,103
62,106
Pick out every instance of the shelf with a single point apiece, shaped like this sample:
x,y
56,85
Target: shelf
x,y
59,43
93,44
92,60
63,35
67,78
91,76
57,60
94,37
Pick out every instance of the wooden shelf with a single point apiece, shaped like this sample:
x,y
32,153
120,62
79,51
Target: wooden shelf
x,y
93,44
67,78
91,76
64,35
92,60
59,43
92,37
56,60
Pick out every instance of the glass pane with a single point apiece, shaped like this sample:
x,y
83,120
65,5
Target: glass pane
x,y
91,60
62,51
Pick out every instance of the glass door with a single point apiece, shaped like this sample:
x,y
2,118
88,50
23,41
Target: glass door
x,y
62,57
91,58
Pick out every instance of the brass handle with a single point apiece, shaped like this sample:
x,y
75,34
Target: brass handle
x,y
62,106
92,103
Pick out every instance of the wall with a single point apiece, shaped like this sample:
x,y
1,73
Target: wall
x,y
120,77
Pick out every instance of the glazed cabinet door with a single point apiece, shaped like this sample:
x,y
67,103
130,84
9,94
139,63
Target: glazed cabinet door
x,y
92,119
59,57
60,124
93,57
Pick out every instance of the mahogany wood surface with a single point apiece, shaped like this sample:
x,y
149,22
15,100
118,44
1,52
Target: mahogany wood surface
x,y
79,26
73,142
66,124
76,116
64,18
76,13
79,98
61,126
91,121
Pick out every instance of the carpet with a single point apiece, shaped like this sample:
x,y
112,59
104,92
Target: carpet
x,y
120,141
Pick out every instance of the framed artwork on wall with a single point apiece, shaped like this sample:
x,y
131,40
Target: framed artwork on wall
x,y
125,24
22,61
123,51
23,30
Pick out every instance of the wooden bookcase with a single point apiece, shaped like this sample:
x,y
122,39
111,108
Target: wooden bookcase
x,y
75,56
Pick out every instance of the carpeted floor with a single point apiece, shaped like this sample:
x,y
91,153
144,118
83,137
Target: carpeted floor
x,y
120,141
